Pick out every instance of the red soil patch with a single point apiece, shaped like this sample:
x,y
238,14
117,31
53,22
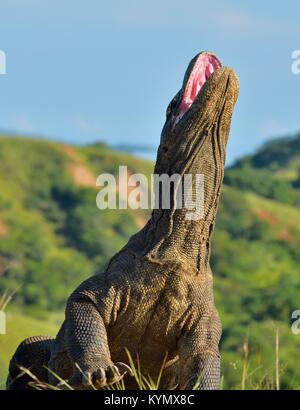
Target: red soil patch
x,y
266,216
80,173
71,152
3,229
82,176
285,235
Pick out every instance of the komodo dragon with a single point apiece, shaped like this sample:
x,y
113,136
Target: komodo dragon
x,y
156,296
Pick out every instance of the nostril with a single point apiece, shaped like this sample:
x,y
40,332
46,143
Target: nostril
x,y
165,149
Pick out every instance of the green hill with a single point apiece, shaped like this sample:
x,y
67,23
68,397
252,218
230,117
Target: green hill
x,y
20,327
52,236
273,171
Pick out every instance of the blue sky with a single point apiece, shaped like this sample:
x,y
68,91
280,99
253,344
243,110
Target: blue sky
x,y
81,71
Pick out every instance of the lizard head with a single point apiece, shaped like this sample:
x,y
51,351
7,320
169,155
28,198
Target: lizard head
x,y
198,118
193,142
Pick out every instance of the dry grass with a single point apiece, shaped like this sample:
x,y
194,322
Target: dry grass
x,y
5,299
146,383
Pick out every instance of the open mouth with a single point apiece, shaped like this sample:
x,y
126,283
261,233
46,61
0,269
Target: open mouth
x,y
204,67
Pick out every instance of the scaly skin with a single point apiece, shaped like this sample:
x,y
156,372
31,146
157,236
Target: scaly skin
x,y
156,296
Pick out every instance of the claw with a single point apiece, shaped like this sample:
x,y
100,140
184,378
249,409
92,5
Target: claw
x,y
116,370
100,378
87,379
124,368
112,374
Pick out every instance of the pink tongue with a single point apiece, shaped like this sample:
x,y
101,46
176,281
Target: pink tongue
x,y
203,69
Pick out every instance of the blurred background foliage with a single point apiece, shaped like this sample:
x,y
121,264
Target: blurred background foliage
x,y
52,237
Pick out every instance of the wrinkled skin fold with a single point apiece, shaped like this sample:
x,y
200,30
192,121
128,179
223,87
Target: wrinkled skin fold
x,y
156,296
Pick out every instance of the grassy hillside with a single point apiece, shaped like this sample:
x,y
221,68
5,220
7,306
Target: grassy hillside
x,y
20,327
52,236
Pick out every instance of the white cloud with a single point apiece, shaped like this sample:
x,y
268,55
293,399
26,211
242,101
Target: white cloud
x,y
271,127
83,125
23,124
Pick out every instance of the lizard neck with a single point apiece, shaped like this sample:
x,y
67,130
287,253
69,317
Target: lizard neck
x,y
178,233
171,235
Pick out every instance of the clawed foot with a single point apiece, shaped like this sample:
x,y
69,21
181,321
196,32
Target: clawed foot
x,y
101,377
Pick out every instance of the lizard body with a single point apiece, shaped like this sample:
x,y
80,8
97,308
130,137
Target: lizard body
x,y
156,296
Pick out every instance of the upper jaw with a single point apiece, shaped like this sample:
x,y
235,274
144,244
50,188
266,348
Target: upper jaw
x,y
221,88
184,137
197,74
203,84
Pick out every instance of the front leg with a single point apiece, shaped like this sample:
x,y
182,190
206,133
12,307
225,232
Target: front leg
x,y
199,353
86,342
